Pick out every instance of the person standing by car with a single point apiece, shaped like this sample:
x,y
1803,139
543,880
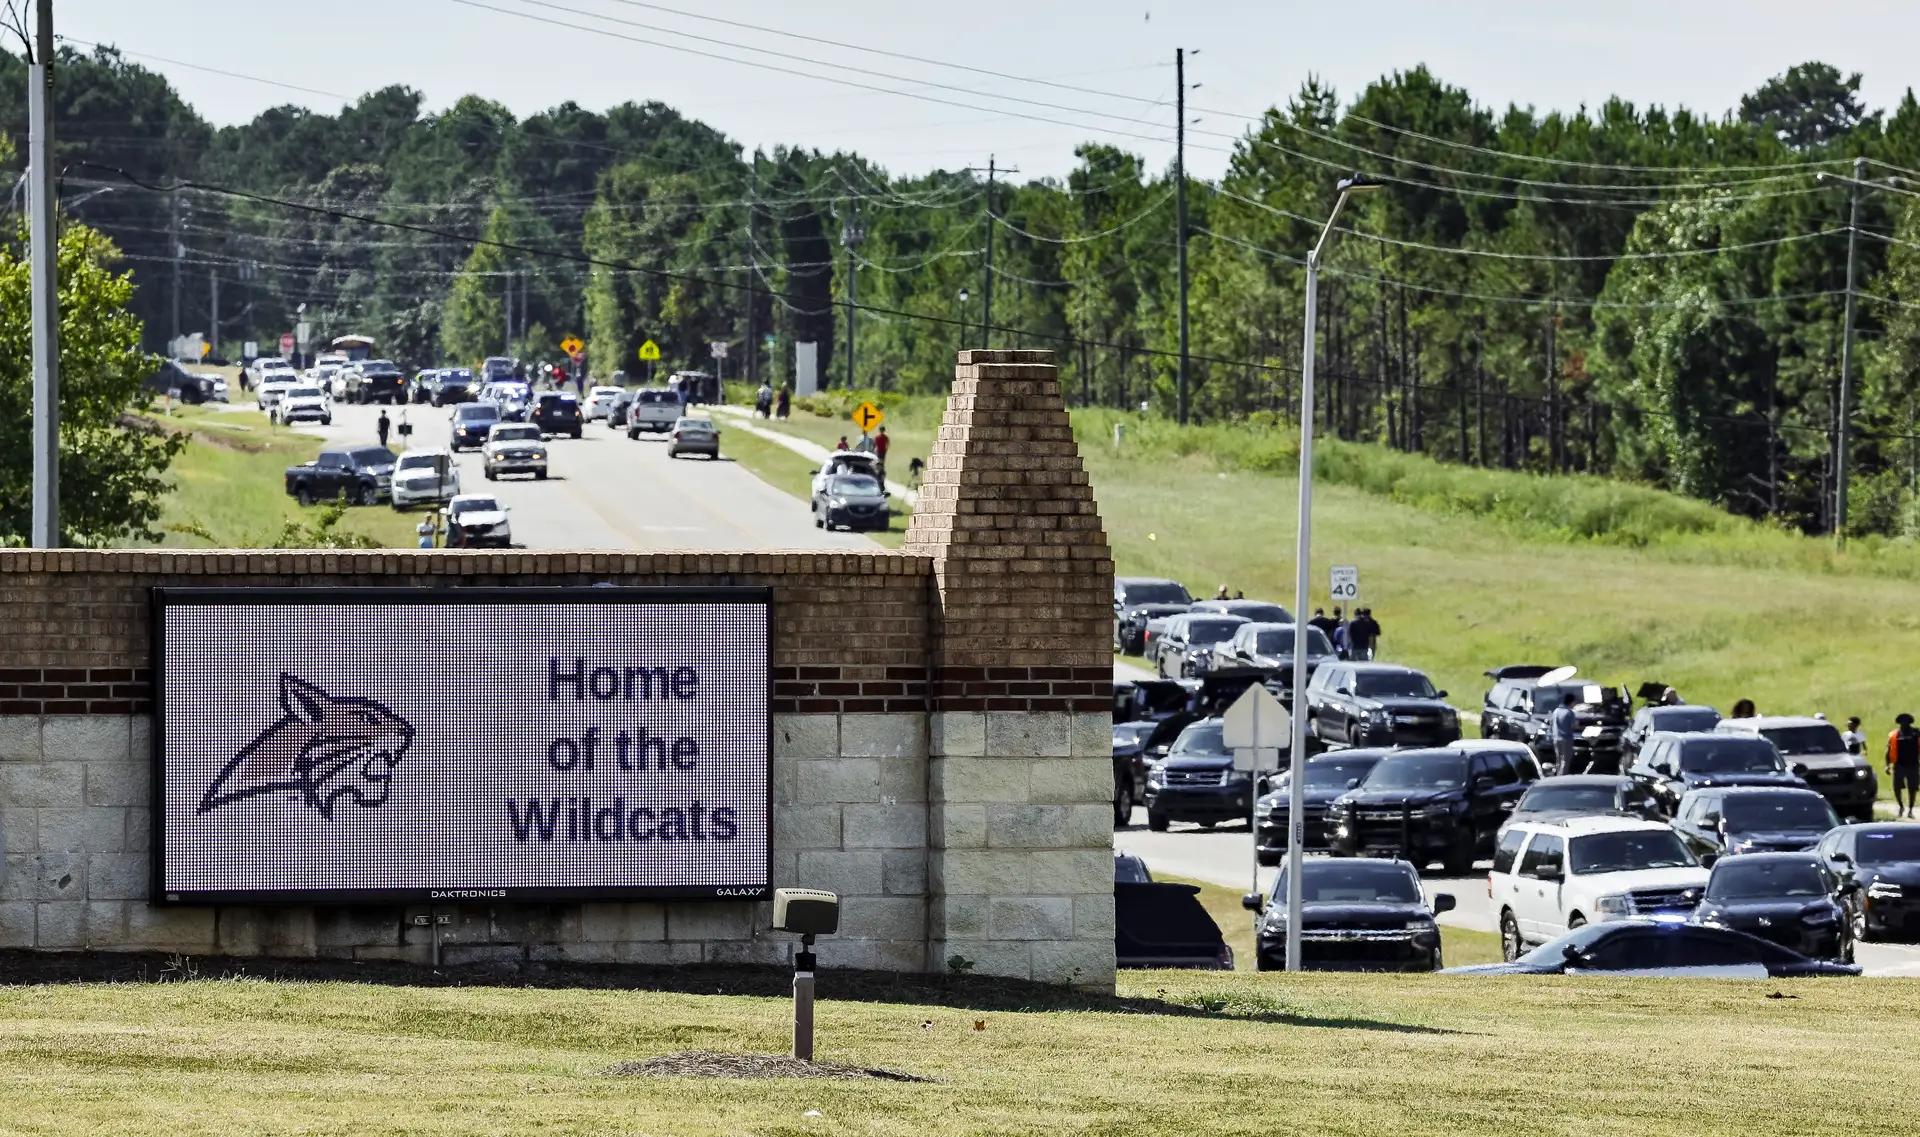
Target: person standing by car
x,y
880,444
382,427
1903,762
843,443
1852,738
1744,709
1562,727
1321,621
1363,635
783,404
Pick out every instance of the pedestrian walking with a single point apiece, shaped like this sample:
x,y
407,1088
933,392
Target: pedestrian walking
x,y
382,427
783,404
1852,738
880,444
763,401
1744,709
843,443
1320,620
1561,728
1340,641
1363,634
1903,762
915,470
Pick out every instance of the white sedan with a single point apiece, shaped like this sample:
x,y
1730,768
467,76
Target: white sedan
x,y
600,402
477,519
425,477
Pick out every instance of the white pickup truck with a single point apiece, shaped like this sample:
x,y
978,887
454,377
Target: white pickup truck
x,y
654,410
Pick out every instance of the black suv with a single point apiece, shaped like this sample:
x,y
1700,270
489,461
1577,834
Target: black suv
x,y
378,381
452,385
1430,805
1354,916
1672,764
1520,708
1269,647
1196,781
1328,776
1649,721
1259,611
1587,795
1185,649
1378,704
555,412
1132,595
1752,819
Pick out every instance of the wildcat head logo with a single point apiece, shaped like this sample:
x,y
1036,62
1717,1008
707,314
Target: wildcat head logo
x,y
324,748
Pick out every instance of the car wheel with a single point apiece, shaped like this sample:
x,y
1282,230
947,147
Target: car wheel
x,y
1459,859
492,477
1122,798
303,495
1267,858
539,475
1512,947
362,496
328,421
1157,821
1433,962
1857,920
1578,921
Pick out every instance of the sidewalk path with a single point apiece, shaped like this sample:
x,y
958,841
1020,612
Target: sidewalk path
x,y
742,419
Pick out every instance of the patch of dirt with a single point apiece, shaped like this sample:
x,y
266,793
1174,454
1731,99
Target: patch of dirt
x,y
713,1064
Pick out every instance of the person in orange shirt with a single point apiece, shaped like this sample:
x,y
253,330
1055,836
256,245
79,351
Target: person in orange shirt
x,y
1903,762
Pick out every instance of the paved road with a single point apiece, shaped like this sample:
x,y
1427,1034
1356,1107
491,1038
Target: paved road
x,y
606,492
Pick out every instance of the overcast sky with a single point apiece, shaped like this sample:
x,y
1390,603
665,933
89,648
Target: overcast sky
x,y
1247,56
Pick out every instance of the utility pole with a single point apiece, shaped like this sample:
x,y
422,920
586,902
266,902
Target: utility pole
x,y
44,279
507,299
1180,207
1846,367
986,285
851,234
179,250
753,278
213,317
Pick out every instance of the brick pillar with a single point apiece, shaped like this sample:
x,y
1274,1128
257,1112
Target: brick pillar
x,y
1020,746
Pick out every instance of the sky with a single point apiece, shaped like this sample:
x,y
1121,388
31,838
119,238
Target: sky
x,y
1110,64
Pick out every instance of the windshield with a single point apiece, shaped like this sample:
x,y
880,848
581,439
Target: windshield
x,y
1279,641
1157,592
1572,799
1885,846
421,461
1210,631
1335,773
656,397
476,505
1131,870
1748,812
477,412
515,434
1628,852
1743,878
373,456
1417,772
1331,882
694,424
1200,738
304,393
854,484
1790,740
1685,718
1393,684
1729,756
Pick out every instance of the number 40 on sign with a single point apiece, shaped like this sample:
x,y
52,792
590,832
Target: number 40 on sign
x,y
1344,583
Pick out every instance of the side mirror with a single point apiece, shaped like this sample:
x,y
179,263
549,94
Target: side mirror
x,y
1353,783
1441,694
1443,902
1484,782
1251,901
1549,872
1841,859
1707,860
1799,769
1574,956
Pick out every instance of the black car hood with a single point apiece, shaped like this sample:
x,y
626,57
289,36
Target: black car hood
x,y
1398,705
1200,762
1316,795
1800,837
1394,799
1324,915
1694,779
1747,914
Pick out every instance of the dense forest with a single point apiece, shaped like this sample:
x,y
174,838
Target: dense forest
x,y
1634,291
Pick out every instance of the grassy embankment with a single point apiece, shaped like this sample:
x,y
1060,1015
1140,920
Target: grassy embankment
x,y
1252,1054
230,483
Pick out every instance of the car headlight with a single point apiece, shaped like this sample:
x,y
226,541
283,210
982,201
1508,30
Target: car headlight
x,y
1820,917
1884,890
1381,715
1156,774
1275,924
1422,925
1616,905
1862,773
836,503
1449,716
1437,809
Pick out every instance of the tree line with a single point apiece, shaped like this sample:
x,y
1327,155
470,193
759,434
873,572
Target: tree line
x,y
1631,291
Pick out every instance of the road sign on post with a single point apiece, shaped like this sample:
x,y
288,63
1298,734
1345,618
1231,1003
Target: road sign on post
x,y
866,416
286,344
649,352
1344,583
717,349
572,346
303,334
1254,728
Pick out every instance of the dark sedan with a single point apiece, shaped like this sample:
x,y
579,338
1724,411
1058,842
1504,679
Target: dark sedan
x,y
1328,776
1196,781
1355,915
1882,863
1789,898
1134,592
1753,820
1661,950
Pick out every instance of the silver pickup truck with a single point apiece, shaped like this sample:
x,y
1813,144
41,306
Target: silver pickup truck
x,y
654,409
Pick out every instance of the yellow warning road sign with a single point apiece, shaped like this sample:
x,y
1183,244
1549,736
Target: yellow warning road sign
x,y
649,351
866,416
572,345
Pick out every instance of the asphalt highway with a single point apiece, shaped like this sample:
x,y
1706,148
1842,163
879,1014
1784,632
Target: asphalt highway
x,y
606,492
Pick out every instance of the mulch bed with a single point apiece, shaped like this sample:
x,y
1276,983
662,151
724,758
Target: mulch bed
x,y
713,1064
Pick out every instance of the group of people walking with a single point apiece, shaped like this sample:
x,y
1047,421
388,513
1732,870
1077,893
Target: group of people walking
x,y
1357,638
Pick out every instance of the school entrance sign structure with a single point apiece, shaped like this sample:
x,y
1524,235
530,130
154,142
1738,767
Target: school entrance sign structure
x,y
937,741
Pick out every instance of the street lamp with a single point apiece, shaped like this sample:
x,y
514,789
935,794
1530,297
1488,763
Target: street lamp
x,y
1297,760
964,296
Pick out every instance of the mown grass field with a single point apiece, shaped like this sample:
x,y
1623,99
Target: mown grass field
x,y
230,482
1196,1053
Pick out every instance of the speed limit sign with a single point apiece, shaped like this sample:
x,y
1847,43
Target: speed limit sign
x,y
1345,582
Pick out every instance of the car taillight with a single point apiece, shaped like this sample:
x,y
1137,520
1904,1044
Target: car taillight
x,y
676,435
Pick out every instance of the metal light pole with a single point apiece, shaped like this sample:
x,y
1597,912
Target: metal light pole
x,y
43,250
964,296
1846,366
1297,759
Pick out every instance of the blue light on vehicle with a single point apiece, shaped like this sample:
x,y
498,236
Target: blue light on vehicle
x,y
1669,918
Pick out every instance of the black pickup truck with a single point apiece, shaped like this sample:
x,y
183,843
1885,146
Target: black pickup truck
x,y
361,476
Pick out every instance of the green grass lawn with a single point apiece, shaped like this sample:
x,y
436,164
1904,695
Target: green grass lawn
x,y
230,482
1212,1053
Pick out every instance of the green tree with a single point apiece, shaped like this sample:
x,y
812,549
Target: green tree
x,y
112,462
1812,104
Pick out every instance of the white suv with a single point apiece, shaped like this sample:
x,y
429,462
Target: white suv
x,y
1813,750
1551,877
